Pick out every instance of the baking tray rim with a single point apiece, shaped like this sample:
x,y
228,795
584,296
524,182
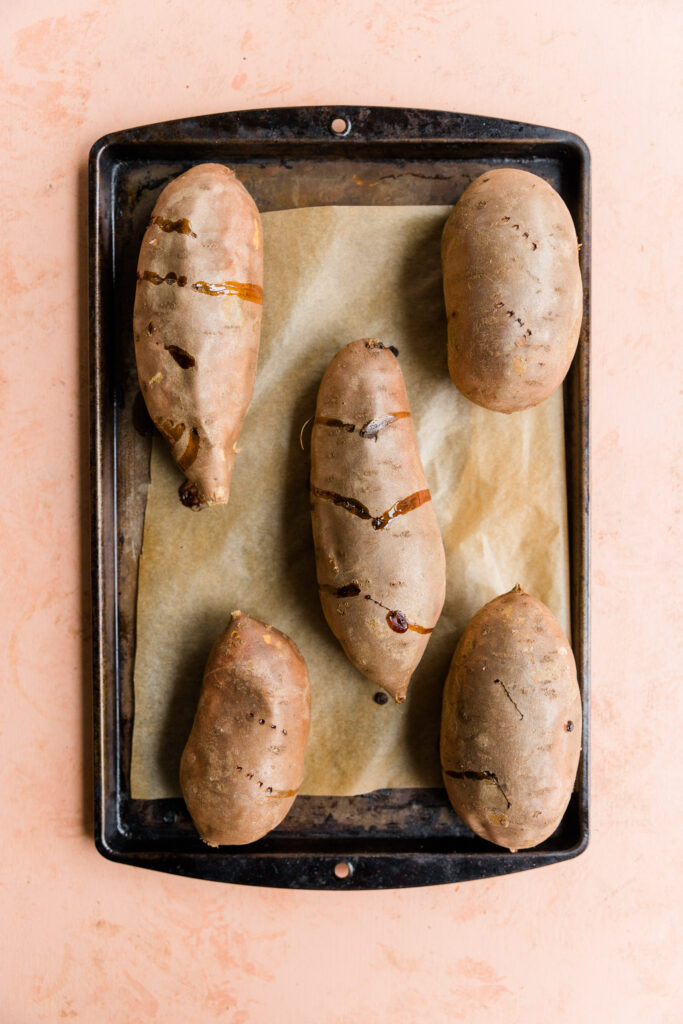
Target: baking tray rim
x,y
247,128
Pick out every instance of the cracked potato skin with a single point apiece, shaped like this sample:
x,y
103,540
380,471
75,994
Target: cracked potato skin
x,y
379,556
512,289
511,723
197,323
244,760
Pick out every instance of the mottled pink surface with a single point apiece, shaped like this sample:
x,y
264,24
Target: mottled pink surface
x,y
592,940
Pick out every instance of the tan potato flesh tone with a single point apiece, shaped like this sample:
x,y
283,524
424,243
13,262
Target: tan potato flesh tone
x,y
511,723
244,760
197,323
380,559
513,291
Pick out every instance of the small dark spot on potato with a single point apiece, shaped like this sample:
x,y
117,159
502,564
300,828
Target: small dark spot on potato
x,y
534,246
261,721
380,698
569,727
150,328
273,727
397,621
191,496
239,767
284,732
184,360
506,219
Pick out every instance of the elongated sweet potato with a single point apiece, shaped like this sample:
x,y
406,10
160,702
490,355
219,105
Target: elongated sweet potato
x,y
380,559
511,722
197,323
512,287
244,760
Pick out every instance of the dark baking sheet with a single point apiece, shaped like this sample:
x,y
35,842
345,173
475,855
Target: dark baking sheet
x,y
291,157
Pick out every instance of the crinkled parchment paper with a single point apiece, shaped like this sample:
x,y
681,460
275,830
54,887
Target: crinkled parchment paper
x,y
333,274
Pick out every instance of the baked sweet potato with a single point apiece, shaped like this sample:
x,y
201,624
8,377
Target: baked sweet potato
x,y
513,292
244,760
380,559
197,323
511,722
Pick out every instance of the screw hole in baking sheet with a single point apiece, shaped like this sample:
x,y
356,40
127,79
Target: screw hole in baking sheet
x,y
341,126
343,869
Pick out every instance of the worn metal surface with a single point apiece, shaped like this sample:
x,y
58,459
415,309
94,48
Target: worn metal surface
x,y
290,157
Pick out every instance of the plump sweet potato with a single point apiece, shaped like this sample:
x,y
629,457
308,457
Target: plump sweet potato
x,y
512,286
244,759
380,559
511,722
197,323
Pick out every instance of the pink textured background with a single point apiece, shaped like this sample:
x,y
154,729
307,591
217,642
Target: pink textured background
x,y
592,940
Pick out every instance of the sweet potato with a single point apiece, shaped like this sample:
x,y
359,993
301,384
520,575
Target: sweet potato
x,y
244,760
380,559
511,722
197,323
513,292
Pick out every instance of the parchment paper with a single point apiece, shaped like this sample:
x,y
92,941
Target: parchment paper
x,y
333,274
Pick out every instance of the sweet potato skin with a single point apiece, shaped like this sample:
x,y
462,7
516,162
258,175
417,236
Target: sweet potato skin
x,y
511,723
379,555
512,288
244,760
197,323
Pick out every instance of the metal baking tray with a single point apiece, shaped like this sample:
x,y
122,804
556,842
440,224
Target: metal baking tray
x,y
292,157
